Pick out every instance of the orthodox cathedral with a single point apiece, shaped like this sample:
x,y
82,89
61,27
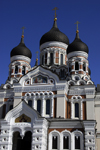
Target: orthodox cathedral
x,y
53,105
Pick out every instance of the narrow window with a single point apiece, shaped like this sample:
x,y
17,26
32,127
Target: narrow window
x,y
76,110
84,66
62,73
30,103
16,69
39,106
51,58
77,142
54,142
23,70
76,66
65,142
11,107
43,60
61,59
48,106
69,69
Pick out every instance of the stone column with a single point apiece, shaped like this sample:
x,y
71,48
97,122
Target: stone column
x,y
43,107
81,110
34,103
72,110
51,107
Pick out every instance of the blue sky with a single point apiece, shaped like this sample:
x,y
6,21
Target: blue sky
x,y
37,16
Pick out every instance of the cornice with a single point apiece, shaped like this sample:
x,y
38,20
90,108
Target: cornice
x,y
53,44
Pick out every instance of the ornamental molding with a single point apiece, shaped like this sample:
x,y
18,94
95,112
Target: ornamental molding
x,y
77,53
20,57
45,87
53,44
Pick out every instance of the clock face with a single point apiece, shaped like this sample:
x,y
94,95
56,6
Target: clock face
x,y
23,118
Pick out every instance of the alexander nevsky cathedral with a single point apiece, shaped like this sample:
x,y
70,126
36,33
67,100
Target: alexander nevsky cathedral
x,y
53,105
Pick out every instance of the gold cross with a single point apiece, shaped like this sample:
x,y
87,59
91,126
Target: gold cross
x,y
77,22
23,30
55,11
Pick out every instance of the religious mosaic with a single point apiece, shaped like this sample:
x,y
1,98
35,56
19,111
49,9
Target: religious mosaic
x,y
23,118
39,79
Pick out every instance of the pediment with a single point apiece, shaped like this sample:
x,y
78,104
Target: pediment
x,y
38,76
22,113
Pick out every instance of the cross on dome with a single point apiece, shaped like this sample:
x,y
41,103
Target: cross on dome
x,y
23,31
55,17
77,22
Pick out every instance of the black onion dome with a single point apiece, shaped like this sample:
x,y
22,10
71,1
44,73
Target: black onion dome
x,y
21,49
54,35
77,45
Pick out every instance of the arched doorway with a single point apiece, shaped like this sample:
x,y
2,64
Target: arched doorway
x,y
22,144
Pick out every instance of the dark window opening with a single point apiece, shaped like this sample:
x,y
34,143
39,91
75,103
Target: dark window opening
x,y
69,69
76,110
30,103
39,106
48,106
76,66
20,143
61,59
11,107
43,60
54,142
62,73
65,142
84,66
77,142
23,70
51,58
16,69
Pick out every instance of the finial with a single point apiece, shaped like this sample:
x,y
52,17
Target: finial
x,y
36,63
55,17
23,31
77,22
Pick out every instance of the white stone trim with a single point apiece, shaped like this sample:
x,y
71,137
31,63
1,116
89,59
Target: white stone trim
x,y
53,43
20,57
77,53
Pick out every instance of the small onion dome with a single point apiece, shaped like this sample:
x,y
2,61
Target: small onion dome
x,y
77,45
21,49
54,35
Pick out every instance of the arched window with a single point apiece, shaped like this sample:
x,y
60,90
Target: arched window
x,y
16,69
61,59
65,142
51,58
48,106
43,60
77,142
39,106
54,142
76,66
84,66
76,110
23,70
30,103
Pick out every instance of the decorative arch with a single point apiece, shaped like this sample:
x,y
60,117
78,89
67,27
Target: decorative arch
x,y
65,139
77,140
52,135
